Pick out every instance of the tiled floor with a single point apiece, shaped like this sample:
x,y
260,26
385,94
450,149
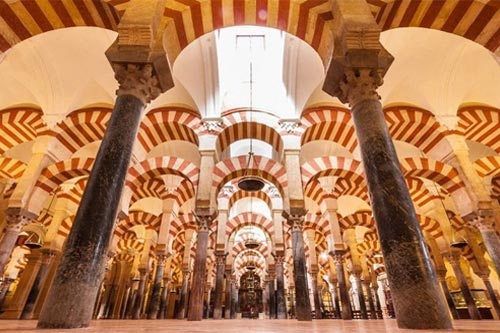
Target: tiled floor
x,y
251,326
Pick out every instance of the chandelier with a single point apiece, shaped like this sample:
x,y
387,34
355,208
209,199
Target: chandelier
x,y
249,182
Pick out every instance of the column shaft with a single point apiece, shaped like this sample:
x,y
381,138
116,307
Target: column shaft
x,y
447,295
70,300
181,314
229,287
164,299
316,295
361,296
272,299
280,289
302,302
40,279
492,296
338,257
234,300
219,281
464,287
139,298
154,303
414,288
195,312
14,225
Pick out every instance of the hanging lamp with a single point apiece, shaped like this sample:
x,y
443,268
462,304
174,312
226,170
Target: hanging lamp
x,y
249,182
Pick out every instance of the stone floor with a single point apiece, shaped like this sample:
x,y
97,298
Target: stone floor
x,y
251,326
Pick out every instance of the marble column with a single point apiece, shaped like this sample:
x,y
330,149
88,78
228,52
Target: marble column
x,y
316,295
164,299
361,296
291,290
454,258
229,290
280,288
203,219
139,298
272,297
47,257
302,302
15,223
373,312
234,299
338,258
484,222
75,286
444,286
154,302
5,286
181,313
336,302
220,259
491,294
418,302
265,299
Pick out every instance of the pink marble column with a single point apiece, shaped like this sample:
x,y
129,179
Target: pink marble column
x,y
203,218
219,281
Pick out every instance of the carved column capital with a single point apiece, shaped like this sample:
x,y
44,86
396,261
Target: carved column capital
x,y
338,256
484,220
204,219
138,80
359,84
16,222
279,260
162,259
220,259
295,219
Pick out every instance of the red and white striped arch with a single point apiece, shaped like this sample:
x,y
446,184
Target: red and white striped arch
x,y
124,257
236,167
416,126
317,222
249,219
182,223
247,130
314,191
359,219
240,247
65,226
10,168
19,125
441,173
75,194
169,124
476,20
129,243
373,245
152,168
488,166
80,128
331,166
420,195
137,218
331,124
240,194
20,20
479,123
58,173
155,188
430,225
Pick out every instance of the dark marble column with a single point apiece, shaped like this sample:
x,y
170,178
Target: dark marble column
x,y
139,298
15,223
444,286
454,259
484,222
164,299
181,313
5,286
373,312
234,299
418,302
78,277
229,290
291,290
361,296
272,296
265,298
491,294
316,295
219,281
338,258
280,288
47,257
154,302
336,302
302,302
203,219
